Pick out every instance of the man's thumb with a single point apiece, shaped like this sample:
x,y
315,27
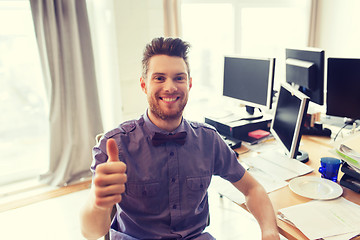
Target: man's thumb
x,y
112,150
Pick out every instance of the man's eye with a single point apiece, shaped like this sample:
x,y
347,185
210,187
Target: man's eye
x,y
179,78
159,78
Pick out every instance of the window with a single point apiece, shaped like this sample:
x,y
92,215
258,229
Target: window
x,y
24,123
258,28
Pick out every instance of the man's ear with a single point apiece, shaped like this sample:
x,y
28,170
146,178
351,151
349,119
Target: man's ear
x,y
143,85
190,83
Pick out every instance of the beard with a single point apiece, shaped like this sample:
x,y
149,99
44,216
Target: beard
x,y
165,114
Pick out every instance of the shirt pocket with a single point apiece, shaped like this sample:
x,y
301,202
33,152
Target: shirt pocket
x,y
197,191
142,197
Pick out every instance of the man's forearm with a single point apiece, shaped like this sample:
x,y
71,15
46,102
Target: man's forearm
x,y
259,204
261,208
95,222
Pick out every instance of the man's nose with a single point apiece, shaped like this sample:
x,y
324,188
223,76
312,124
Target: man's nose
x,y
170,85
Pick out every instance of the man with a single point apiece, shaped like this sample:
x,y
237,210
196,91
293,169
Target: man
x,y
168,162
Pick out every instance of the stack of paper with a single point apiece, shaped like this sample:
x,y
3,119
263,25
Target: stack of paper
x,y
332,219
349,155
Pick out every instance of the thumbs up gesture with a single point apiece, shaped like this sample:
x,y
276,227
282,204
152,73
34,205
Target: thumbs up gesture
x,y
110,178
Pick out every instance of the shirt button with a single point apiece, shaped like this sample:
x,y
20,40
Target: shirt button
x,y
173,180
171,153
174,206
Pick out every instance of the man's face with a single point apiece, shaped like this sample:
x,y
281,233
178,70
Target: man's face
x,y
167,87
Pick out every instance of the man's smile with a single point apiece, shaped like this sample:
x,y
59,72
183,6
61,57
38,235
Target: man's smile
x,y
169,99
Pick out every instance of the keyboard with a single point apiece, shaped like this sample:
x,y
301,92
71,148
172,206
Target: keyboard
x,y
278,165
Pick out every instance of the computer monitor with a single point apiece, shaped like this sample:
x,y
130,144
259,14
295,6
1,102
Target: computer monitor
x,y
249,80
290,111
343,88
305,71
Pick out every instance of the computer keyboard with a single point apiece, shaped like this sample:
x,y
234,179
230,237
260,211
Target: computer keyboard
x,y
313,131
278,165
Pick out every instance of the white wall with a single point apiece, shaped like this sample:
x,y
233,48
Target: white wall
x,y
338,28
137,22
120,30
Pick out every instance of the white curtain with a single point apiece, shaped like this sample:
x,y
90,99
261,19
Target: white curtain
x,y
313,21
64,41
172,21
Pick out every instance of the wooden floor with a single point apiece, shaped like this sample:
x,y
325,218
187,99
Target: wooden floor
x,y
29,194
58,218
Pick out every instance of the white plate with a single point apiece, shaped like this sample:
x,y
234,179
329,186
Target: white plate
x,y
315,188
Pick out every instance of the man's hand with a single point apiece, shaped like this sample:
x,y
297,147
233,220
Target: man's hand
x,y
110,178
270,235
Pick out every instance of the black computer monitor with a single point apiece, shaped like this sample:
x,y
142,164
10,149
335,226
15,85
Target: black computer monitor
x,y
249,80
305,71
343,88
288,120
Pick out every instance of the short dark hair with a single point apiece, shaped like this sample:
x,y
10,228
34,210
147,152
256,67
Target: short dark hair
x,y
165,46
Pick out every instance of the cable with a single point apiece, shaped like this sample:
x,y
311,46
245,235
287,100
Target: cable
x,y
346,124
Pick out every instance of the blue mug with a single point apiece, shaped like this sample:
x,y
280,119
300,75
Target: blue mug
x,y
329,168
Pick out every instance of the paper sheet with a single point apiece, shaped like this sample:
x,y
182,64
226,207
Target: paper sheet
x,y
228,190
225,188
321,219
342,236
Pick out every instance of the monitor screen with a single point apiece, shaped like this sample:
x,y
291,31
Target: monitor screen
x,y
343,88
305,71
249,80
286,125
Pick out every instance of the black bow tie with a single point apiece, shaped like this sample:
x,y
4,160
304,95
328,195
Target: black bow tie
x,y
160,138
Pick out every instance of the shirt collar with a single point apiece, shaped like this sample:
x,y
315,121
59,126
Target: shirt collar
x,y
153,128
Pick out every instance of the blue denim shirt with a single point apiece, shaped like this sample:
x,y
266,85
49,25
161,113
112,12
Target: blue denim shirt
x,y
166,192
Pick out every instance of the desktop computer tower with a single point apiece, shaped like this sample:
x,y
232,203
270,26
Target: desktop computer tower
x,y
238,129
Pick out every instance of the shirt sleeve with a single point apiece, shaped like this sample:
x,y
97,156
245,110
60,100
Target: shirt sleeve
x,y
99,154
226,163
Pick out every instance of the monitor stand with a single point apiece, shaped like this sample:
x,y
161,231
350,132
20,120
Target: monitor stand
x,y
247,113
349,121
302,156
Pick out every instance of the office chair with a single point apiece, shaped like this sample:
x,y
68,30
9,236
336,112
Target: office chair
x,y
112,215
113,211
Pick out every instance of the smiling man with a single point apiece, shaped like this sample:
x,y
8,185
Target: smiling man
x,y
166,84
156,169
